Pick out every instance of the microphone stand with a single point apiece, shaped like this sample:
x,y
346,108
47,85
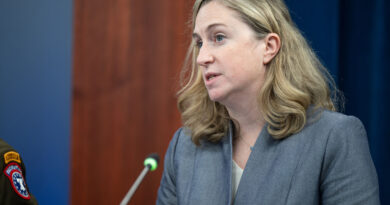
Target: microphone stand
x,y
150,163
137,182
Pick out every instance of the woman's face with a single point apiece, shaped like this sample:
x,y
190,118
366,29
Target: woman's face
x,y
230,56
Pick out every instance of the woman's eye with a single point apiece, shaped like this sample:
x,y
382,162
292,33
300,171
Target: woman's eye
x,y
219,38
199,44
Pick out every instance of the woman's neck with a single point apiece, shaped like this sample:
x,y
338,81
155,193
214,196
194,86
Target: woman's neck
x,y
249,121
248,118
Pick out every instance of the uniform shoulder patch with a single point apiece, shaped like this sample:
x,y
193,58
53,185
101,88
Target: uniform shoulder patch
x,y
11,156
15,176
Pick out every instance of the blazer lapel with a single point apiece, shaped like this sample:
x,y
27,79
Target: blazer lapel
x,y
270,169
211,182
254,187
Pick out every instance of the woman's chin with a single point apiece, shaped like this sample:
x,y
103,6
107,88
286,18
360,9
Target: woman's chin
x,y
216,97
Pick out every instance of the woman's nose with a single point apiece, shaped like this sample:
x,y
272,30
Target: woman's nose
x,y
204,56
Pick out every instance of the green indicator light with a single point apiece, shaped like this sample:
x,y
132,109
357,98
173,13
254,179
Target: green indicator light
x,y
151,162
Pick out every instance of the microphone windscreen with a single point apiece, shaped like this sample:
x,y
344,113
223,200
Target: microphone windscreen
x,y
152,161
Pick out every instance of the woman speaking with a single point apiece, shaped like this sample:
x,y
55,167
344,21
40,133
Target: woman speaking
x,y
259,117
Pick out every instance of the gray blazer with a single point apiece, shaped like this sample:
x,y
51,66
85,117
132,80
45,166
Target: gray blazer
x,y
328,162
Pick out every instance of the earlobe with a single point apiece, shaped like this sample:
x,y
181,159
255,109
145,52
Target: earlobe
x,y
272,43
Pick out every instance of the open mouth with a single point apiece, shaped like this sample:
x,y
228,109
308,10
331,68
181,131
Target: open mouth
x,y
210,76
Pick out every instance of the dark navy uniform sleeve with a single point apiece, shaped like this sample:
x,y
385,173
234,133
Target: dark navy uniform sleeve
x,y
13,187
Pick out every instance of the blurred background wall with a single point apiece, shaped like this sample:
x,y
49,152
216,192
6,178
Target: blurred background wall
x,y
127,57
352,40
35,91
87,87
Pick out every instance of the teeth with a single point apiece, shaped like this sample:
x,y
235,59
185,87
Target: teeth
x,y
211,77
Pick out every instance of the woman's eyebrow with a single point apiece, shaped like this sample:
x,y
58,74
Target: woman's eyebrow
x,y
209,27
195,36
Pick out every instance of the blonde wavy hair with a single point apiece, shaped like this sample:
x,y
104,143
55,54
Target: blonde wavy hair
x,y
295,79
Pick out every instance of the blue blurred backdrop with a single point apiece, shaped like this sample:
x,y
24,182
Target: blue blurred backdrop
x,y
35,86
351,38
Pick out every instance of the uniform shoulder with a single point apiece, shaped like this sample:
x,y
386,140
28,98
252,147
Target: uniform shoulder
x,y
5,147
8,154
12,177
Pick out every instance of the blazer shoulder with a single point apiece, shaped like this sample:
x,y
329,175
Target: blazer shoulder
x,y
182,137
347,153
335,120
181,142
335,129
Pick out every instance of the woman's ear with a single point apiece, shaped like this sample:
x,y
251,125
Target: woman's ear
x,y
272,46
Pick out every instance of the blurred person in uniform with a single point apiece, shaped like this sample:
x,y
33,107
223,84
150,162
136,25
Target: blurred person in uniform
x,y
13,187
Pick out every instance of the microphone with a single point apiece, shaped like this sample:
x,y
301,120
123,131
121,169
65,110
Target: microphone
x,y
150,163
